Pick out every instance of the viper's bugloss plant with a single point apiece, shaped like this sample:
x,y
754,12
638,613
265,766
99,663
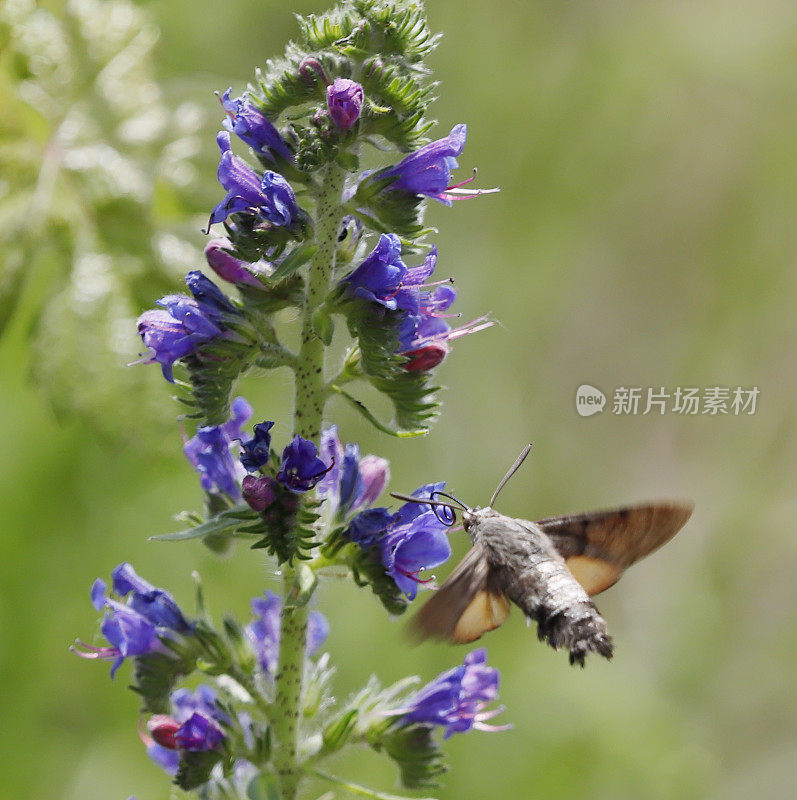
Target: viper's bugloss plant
x,y
305,226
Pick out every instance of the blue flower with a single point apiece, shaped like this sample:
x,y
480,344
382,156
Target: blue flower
x,y
270,197
257,450
383,278
156,605
410,541
456,699
209,295
194,725
301,467
428,171
135,627
352,482
187,322
199,732
345,101
369,526
379,276
250,125
230,268
209,451
264,633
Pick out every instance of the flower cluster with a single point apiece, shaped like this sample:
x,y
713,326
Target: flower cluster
x,y
186,323
194,725
456,699
383,279
409,541
138,626
211,450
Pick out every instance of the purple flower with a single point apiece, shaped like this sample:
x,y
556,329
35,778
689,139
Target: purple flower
x,y
301,467
209,451
270,197
227,266
257,449
264,632
428,170
351,482
249,124
345,101
133,628
456,698
195,725
187,322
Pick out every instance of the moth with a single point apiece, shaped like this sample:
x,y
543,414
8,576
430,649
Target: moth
x,y
549,569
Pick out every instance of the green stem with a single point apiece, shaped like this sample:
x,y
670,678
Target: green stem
x,y
311,397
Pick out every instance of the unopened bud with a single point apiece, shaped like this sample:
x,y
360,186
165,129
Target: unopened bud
x,y
163,729
345,101
426,357
258,491
226,265
311,69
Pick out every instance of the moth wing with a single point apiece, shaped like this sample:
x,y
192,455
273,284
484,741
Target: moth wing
x,y
467,605
599,546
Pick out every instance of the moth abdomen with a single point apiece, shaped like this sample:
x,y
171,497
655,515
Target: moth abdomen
x,y
579,632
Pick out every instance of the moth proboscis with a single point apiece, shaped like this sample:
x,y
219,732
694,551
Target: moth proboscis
x,y
549,569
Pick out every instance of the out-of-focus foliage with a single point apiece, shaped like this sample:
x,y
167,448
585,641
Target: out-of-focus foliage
x,y
97,172
644,235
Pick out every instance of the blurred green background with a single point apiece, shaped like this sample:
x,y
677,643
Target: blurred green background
x,y
644,236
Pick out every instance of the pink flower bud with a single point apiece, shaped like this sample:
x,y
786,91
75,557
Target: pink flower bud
x,y
427,357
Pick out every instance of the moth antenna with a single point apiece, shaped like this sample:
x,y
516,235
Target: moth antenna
x,y
512,470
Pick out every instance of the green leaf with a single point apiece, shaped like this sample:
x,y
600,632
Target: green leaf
x,y
228,523
298,257
368,570
195,767
360,790
362,409
154,678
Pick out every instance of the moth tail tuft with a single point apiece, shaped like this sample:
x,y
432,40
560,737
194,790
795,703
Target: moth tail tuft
x,y
586,634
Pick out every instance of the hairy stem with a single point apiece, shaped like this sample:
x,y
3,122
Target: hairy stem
x,y
309,410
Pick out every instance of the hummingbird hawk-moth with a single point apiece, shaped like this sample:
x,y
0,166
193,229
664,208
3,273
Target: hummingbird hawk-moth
x,y
549,569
